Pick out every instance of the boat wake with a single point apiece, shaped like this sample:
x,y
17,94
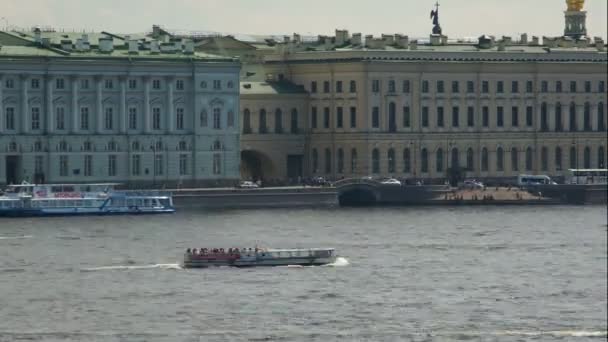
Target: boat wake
x,y
133,267
15,237
340,261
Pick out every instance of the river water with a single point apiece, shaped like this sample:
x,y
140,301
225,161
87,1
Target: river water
x,y
407,274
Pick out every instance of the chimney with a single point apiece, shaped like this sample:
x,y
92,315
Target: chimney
x,y
402,41
177,43
501,45
133,47
106,44
414,45
599,44
46,42
85,38
66,45
507,40
37,35
356,40
297,38
435,39
565,42
524,39
389,39
535,41
342,37
444,40
154,49
189,47
368,40
155,31
582,42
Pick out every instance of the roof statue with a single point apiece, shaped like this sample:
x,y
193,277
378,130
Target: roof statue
x,y
575,5
435,17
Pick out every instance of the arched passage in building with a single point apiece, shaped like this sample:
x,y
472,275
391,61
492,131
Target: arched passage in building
x,y
255,166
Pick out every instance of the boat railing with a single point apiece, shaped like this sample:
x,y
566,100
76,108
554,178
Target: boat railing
x,y
142,193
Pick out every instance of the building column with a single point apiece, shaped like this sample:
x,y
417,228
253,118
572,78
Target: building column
x,y
170,119
550,117
123,105
99,105
24,105
580,117
146,118
74,111
49,105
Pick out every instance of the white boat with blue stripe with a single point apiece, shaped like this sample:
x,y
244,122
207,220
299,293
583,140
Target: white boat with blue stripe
x,y
81,199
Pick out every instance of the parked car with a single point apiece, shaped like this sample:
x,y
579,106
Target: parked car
x,y
472,184
248,185
391,181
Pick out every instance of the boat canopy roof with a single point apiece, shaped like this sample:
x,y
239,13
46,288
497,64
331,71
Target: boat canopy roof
x,y
27,185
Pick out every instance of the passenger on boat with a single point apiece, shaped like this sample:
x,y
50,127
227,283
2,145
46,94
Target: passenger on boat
x,y
194,251
188,251
204,250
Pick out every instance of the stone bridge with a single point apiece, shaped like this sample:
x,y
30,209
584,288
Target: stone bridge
x,y
363,191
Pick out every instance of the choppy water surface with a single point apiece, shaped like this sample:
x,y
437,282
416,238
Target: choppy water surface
x,y
409,274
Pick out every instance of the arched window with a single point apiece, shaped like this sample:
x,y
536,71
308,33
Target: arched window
x,y
573,157
391,161
340,160
392,117
439,160
544,121
601,124
558,158
262,122
327,161
12,146
37,146
484,159
278,121
601,163
587,158
246,121
587,117
470,159
375,161
182,146
424,161
407,163
573,117
529,160
455,159
515,159
544,158
315,161
353,161
294,121
500,162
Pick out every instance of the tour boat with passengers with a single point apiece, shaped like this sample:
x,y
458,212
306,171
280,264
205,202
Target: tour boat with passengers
x,y
81,199
249,257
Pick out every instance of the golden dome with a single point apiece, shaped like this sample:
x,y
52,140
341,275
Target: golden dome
x,y
575,5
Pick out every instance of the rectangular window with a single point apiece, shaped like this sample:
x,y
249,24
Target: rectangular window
x,y
406,117
515,87
156,84
9,83
406,87
326,87
485,116
500,87
544,87
455,116
470,116
84,118
391,86
112,165
375,117
109,84
179,118
587,86
573,86
179,84
136,165
35,83
338,86
217,84
455,87
132,118
109,119
500,116
339,117
183,164
313,86
601,87
425,117
158,165
529,87
35,118
10,118
132,84
375,86
313,117
353,117
529,116
217,118
60,118
84,84
439,116
425,87
558,87
514,116
88,165
156,118
326,117
353,86
60,83
485,87
470,87
217,164
440,87
63,166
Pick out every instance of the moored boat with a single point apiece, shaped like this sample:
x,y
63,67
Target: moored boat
x,y
258,257
81,199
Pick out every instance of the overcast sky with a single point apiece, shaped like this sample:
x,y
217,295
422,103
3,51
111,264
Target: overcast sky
x,y
459,18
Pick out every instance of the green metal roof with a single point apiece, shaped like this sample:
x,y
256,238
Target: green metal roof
x,y
271,88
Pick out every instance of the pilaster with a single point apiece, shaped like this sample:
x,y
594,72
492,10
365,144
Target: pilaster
x,y
74,111
122,115
146,117
50,121
24,105
98,104
170,119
